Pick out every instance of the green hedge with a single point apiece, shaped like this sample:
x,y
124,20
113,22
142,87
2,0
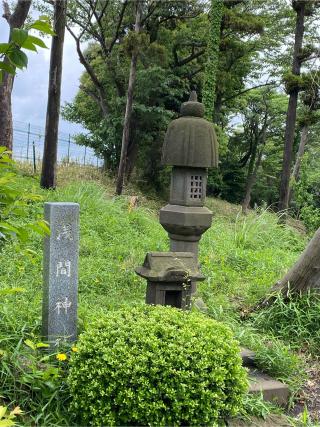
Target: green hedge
x,y
154,365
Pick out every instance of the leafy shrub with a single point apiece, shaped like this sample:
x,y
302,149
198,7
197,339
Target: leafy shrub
x,y
154,365
14,204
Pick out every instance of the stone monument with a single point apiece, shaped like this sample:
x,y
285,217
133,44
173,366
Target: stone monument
x,y
60,272
190,147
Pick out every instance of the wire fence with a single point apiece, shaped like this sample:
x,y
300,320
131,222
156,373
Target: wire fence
x,y
28,142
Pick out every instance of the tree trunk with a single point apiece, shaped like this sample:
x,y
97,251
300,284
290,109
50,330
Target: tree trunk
x,y
49,161
296,169
128,113
302,146
305,274
292,109
15,20
131,160
254,166
251,180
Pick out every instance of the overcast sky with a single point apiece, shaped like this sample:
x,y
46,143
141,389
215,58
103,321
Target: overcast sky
x,y
29,99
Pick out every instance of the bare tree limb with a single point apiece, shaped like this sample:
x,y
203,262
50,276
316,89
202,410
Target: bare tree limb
x,y
247,90
189,58
92,74
116,36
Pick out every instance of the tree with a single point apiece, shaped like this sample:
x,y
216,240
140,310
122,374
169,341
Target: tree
x,y
171,57
256,126
16,19
302,9
240,37
128,113
311,106
304,275
49,160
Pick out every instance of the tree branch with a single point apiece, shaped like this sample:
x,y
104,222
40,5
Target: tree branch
x,y
116,36
190,58
247,90
92,75
7,12
20,13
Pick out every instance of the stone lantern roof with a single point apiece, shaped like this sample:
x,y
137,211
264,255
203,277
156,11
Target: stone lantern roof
x,y
170,267
190,140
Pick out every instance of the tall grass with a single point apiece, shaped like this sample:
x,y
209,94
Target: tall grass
x,y
243,256
295,319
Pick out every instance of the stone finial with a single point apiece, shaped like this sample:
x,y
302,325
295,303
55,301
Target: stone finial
x,y
193,96
192,107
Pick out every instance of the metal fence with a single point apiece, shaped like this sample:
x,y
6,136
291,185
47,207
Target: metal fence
x,y
28,142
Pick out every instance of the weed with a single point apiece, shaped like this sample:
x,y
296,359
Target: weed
x,y
294,319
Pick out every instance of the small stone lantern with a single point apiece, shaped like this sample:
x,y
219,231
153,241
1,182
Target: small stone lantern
x,y
169,276
191,147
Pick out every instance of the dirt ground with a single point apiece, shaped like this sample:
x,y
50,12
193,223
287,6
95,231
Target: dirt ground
x,y
310,395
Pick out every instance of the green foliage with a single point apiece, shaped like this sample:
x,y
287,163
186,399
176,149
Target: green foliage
x,y
293,82
241,258
294,319
30,377
135,42
11,55
209,86
306,190
14,204
156,365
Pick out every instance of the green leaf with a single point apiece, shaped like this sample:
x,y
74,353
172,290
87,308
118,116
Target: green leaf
x,y
5,226
10,291
42,26
37,41
29,45
44,18
4,47
42,345
19,36
3,410
30,344
18,58
6,423
7,67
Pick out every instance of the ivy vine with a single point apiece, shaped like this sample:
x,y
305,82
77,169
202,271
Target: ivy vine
x,y
209,86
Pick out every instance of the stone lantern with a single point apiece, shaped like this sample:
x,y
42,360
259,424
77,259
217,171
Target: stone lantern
x,y
191,147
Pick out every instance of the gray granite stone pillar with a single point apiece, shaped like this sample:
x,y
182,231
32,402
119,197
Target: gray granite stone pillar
x,y
60,272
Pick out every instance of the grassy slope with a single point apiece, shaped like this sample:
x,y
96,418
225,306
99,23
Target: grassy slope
x,y
241,257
